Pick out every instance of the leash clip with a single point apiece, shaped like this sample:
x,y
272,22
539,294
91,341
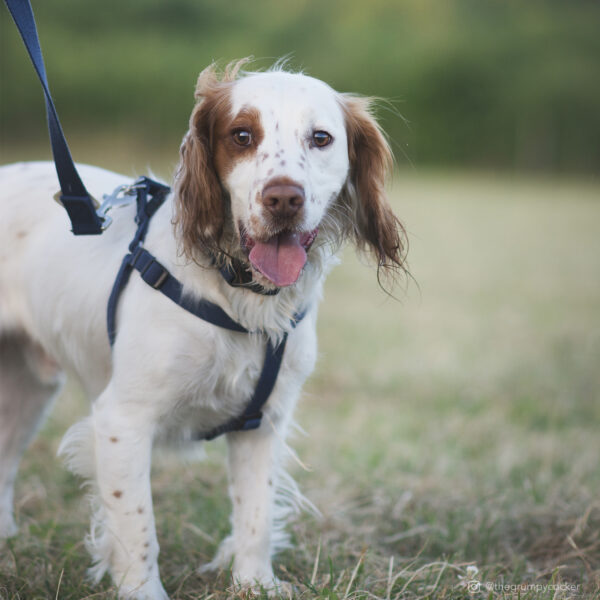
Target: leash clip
x,y
122,196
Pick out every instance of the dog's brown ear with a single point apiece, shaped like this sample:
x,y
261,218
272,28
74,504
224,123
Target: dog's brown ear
x,y
375,227
199,203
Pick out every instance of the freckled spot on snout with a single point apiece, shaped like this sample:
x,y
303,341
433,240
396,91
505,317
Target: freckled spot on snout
x,y
254,222
301,165
270,482
271,171
21,234
144,557
114,439
282,163
140,510
117,493
253,531
146,544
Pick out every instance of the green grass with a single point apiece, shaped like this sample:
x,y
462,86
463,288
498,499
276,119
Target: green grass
x,y
455,427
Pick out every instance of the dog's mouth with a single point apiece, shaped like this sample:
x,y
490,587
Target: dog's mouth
x,y
281,257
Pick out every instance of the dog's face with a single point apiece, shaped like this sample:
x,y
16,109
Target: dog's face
x,y
273,160
282,155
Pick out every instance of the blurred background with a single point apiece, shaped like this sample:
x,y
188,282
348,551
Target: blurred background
x,y
467,408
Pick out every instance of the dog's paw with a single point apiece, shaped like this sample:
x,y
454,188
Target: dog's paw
x,y
151,589
250,578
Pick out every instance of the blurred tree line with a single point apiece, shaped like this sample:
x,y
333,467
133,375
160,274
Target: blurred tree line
x,y
476,83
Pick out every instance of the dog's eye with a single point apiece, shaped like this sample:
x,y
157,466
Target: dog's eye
x,y
321,139
242,137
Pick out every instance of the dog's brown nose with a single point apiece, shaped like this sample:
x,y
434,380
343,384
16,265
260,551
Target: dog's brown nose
x,y
283,200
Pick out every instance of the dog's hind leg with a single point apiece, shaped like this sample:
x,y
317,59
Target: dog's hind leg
x,y
29,379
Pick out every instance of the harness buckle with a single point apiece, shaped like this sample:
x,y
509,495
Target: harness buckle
x,y
154,274
151,271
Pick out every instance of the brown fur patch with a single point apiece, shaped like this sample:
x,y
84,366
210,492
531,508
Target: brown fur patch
x,y
199,201
227,152
117,493
374,226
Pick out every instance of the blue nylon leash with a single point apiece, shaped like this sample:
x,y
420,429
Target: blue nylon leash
x,y
149,196
77,201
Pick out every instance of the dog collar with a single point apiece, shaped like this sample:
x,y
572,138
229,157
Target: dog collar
x,y
237,273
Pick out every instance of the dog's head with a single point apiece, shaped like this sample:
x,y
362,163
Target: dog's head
x,y
273,161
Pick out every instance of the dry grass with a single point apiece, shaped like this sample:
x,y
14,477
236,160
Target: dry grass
x,y
455,428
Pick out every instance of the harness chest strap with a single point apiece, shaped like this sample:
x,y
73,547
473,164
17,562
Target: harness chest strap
x,y
159,278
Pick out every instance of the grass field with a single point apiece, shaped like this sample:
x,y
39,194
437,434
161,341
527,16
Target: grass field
x,y
453,434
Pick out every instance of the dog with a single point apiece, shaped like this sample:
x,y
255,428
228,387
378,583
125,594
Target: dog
x,y
276,171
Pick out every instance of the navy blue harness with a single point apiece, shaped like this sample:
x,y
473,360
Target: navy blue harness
x,y
149,196
87,219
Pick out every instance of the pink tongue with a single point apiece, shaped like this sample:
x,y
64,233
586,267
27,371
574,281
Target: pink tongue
x,y
279,259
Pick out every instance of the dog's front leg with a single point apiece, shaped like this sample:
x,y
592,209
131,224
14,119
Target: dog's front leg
x,y
252,469
126,543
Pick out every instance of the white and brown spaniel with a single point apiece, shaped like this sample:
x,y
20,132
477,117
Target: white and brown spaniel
x,y
277,170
